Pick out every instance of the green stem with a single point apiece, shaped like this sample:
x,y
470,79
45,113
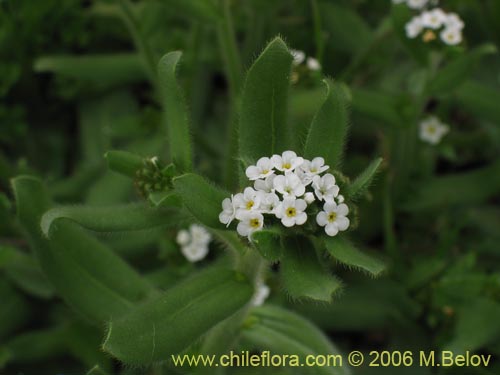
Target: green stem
x,y
147,55
233,66
318,32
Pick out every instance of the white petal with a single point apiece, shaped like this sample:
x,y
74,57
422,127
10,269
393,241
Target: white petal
x,y
300,204
301,218
288,221
253,172
329,206
183,237
322,218
342,223
331,229
342,209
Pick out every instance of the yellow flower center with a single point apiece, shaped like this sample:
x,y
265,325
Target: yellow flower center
x,y
332,216
249,205
429,36
431,130
265,171
314,170
291,212
287,166
254,223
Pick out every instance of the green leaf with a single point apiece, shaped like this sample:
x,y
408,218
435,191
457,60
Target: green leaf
x,y
456,189
130,217
303,275
364,180
480,99
263,118
458,71
15,311
124,162
24,272
280,331
201,198
170,323
477,325
328,129
345,252
96,370
268,242
103,70
82,270
164,199
176,115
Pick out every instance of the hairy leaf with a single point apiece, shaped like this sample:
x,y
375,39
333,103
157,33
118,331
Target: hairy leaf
x,y
176,115
170,323
363,181
328,129
268,242
124,162
345,252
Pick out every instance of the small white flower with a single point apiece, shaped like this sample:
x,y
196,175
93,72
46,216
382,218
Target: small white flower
x,y
333,218
309,197
414,27
194,243
453,21
325,187
183,237
269,201
248,201
417,4
261,293
313,64
340,198
250,222
311,169
452,36
289,185
298,56
432,130
194,252
433,19
265,185
287,162
291,212
228,211
263,169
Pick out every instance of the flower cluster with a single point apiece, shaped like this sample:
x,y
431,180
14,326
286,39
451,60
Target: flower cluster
x,y
150,177
194,242
431,130
432,21
299,57
288,188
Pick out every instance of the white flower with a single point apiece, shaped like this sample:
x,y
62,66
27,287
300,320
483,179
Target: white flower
x,y
309,197
417,4
298,56
432,130
261,293
269,201
451,36
194,243
250,222
453,21
325,187
183,237
289,185
340,198
265,185
313,64
228,211
414,27
263,169
433,19
311,169
248,201
287,162
291,212
333,218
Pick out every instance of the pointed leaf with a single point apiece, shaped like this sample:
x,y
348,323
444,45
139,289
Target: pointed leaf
x,y
176,116
263,118
345,252
303,275
173,321
364,180
201,198
328,129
